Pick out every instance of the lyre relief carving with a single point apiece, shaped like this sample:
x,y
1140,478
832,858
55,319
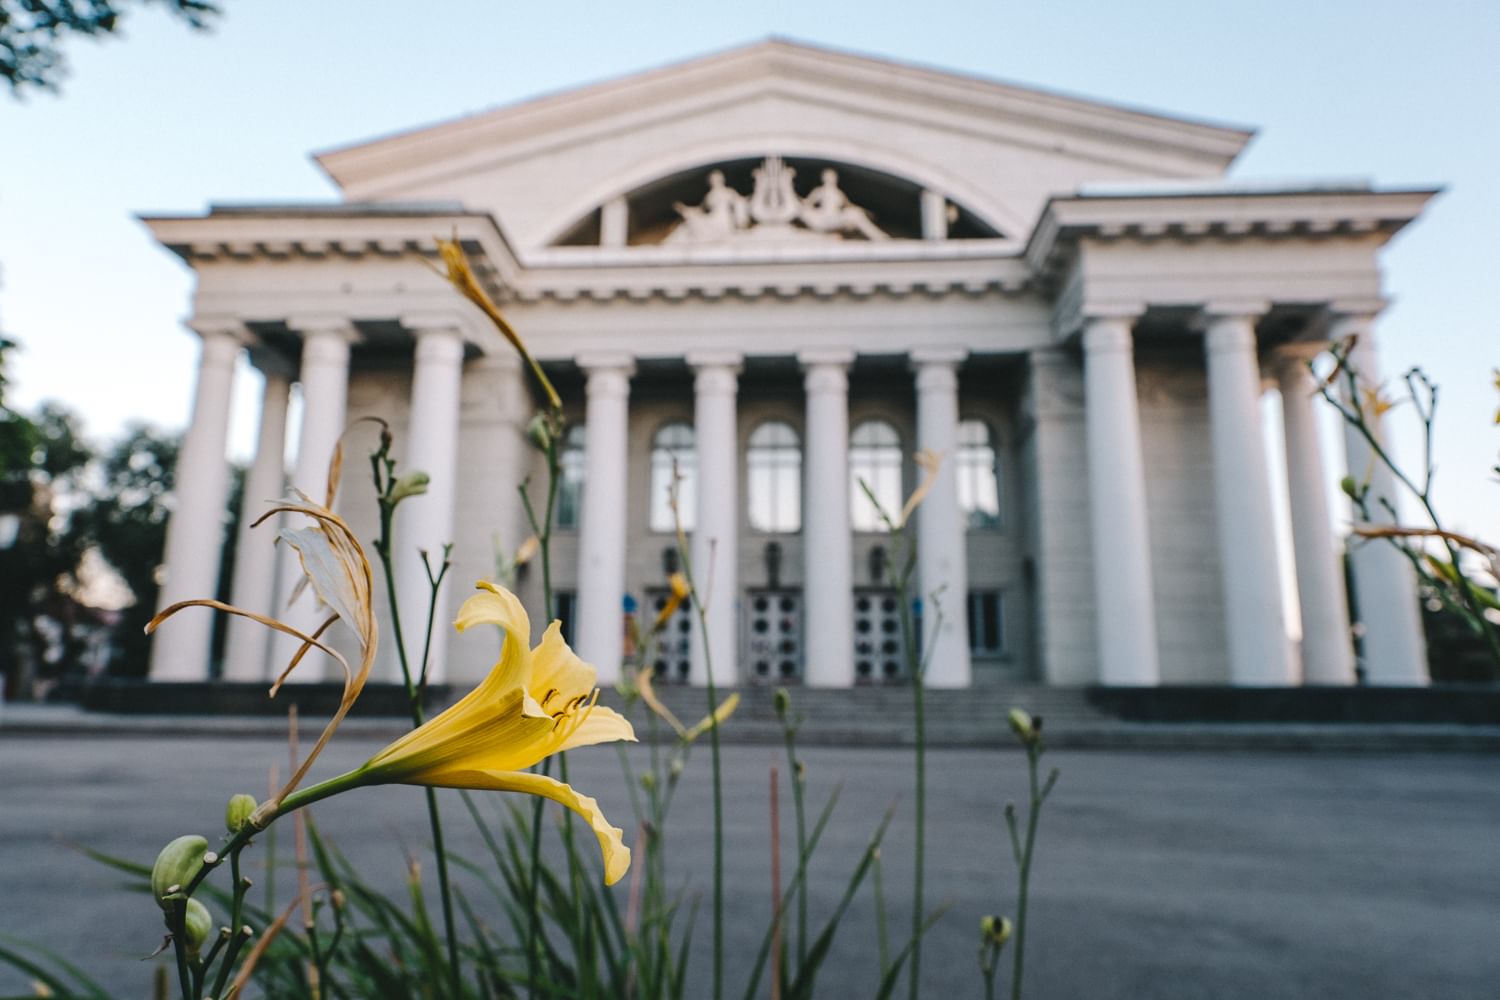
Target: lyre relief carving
x,y
773,211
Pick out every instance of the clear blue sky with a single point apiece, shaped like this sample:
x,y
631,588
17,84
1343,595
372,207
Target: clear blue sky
x,y
165,119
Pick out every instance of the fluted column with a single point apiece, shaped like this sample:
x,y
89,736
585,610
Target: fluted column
x,y
828,581
1327,653
195,534
1259,653
1385,587
601,536
325,391
424,523
716,534
942,564
254,584
1125,605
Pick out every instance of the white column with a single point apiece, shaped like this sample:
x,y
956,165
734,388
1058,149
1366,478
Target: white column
x,y
1385,586
425,523
1327,653
716,534
254,585
325,391
934,216
601,536
195,534
1259,652
942,563
828,578
1125,606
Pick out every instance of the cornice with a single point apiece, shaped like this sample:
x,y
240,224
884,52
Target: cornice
x,y
1223,216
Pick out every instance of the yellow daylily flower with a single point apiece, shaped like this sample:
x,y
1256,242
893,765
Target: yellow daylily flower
x,y
930,463
534,703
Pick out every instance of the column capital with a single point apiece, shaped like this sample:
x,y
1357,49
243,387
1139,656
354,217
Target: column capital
x,y
607,361
434,321
825,357
323,325
218,327
698,360
1218,310
937,357
439,344
1229,332
1108,334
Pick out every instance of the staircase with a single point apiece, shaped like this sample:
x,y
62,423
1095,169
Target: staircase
x,y
883,716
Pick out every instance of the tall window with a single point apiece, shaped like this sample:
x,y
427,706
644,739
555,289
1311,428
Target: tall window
x,y
986,622
875,458
773,464
978,479
570,480
672,453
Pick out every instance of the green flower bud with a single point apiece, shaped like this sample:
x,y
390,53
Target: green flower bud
x,y
238,811
410,485
782,699
675,768
1350,487
1021,724
176,866
539,432
648,780
994,931
197,925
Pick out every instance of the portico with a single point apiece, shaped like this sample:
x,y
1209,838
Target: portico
x,y
778,319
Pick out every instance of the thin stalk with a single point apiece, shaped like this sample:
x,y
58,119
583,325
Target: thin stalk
x,y
713,734
1034,814
914,664
414,702
798,798
179,948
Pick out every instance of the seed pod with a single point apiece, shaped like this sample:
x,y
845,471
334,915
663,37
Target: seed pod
x,y
238,811
176,865
539,433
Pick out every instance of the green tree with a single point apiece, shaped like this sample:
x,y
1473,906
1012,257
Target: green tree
x,y
31,33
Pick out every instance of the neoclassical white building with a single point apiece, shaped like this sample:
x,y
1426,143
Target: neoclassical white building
x,y
787,269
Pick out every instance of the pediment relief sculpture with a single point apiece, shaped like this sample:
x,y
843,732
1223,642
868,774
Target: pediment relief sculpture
x,y
773,210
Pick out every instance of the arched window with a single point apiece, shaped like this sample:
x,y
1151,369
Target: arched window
x,y
672,454
978,475
570,480
875,458
773,463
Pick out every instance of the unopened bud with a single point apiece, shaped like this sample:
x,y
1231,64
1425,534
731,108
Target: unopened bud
x,y
1350,487
176,866
197,925
675,768
648,780
801,772
337,899
1021,724
539,433
237,811
782,699
994,931
410,485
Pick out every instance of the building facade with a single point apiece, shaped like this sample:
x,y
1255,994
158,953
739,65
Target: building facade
x,y
772,274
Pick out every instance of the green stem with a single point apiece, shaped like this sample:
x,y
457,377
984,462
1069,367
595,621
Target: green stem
x,y
718,791
236,942
799,809
914,664
179,947
1034,813
414,702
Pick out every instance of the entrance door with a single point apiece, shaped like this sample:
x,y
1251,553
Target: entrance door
x,y
877,637
672,657
773,636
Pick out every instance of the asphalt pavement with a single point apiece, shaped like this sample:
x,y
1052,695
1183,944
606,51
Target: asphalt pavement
x,y
1214,874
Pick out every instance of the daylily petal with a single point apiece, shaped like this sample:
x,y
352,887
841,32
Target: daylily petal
x,y
725,710
558,676
603,725
611,838
481,730
497,606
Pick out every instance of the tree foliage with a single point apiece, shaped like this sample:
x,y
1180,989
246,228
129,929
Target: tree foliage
x,y
32,31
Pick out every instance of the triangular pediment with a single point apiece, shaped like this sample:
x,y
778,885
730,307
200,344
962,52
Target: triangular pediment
x,y
995,151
